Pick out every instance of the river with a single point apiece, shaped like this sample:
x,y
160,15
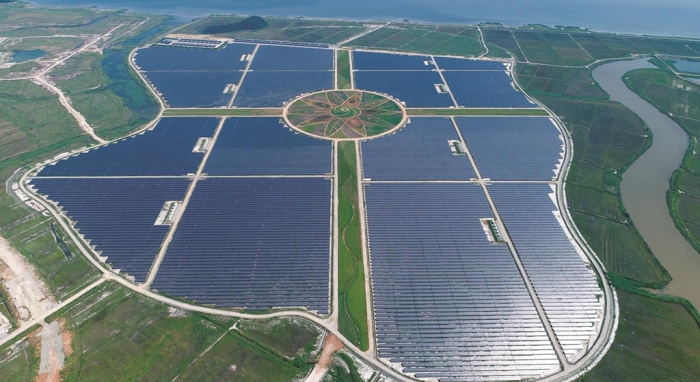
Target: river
x,y
645,183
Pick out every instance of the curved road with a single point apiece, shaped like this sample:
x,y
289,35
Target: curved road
x,y
570,372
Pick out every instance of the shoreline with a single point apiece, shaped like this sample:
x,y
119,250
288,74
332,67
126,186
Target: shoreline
x,y
186,16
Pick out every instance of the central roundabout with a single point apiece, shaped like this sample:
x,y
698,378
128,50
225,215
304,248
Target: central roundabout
x,y
345,114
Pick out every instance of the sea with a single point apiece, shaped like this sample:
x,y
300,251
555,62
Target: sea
x,y
652,17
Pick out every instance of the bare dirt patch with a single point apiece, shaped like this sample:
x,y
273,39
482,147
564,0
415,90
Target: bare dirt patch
x,y
330,346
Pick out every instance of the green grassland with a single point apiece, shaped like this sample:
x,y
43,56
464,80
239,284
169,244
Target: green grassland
x,y
680,99
33,125
576,48
344,77
108,94
21,15
431,39
285,29
287,336
118,335
352,318
655,341
19,362
607,138
343,369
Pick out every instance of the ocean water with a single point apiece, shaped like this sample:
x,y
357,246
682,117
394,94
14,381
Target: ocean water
x,y
666,18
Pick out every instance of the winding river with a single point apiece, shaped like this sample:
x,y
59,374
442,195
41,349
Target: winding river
x,y
645,183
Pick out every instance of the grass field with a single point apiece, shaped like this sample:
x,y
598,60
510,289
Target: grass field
x,y
680,100
344,76
19,362
285,29
352,318
287,336
429,39
482,112
569,82
118,335
107,93
655,341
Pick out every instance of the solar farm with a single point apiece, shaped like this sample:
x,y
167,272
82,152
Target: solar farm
x,y
476,272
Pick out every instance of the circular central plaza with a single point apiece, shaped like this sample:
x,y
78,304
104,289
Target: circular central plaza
x,y
345,114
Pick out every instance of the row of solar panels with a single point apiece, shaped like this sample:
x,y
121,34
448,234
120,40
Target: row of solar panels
x,y
507,148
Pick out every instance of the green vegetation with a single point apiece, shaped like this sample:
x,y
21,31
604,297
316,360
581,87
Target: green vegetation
x,y
680,99
287,336
236,112
574,47
248,24
483,112
285,29
344,76
117,332
431,39
19,362
352,318
343,369
107,93
655,341
607,138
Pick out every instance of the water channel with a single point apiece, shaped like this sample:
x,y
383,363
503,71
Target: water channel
x,y
645,183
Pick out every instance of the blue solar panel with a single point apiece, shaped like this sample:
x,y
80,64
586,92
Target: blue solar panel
x,y
164,58
564,284
514,148
419,151
448,304
485,89
271,57
263,146
194,89
165,150
449,63
253,242
272,89
388,61
416,88
117,216
277,42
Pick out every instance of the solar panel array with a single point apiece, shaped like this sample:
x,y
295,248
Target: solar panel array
x,y
448,304
567,289
164,150
188,77
275,42
274,88
117,216
418,151
280,73
514,148
414,88
158,58
479,88
253,242
263,146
